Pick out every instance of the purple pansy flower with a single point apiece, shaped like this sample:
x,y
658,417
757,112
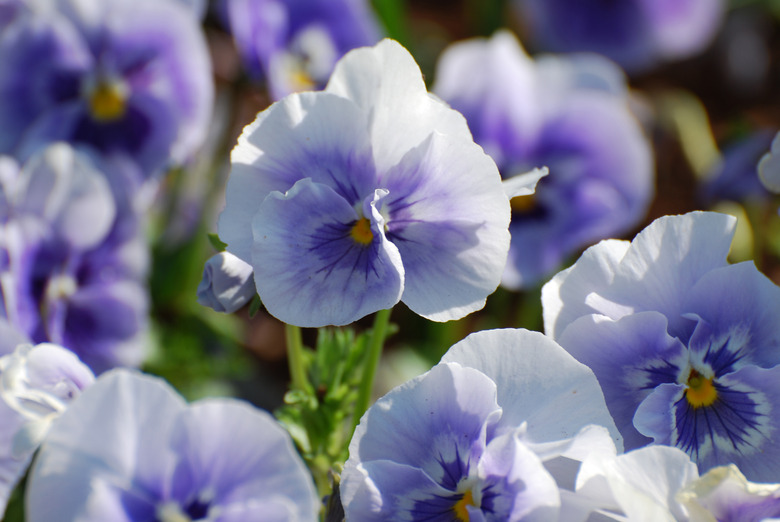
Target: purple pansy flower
x,y
294,44
735,177
37,383
131,449
346,201
569,114
75,259
637,34
685,346
485,435
124,77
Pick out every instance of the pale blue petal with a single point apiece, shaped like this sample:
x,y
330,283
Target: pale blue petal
x,y
449,218
309,135
740,306
630,357
538,383
643,483
309,271
516,484
232,455
666,260
563,297
98,438
386,83
437,422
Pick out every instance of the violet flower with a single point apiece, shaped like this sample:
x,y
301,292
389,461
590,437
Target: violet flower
x,y
638,34
686,347
37,383
481,436
346,201
76,258
131,449
569,114
124,77
294,44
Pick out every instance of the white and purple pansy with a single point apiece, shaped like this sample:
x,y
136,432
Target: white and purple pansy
x,y
685,345
372,192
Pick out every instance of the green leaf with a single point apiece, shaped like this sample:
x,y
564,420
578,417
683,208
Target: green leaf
x,y
217,243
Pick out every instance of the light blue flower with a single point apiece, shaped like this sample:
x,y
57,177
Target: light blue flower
x,y
294,44
638,34
37,383
570,114
130,449
685,346
74,257
485,435
127,77
346,201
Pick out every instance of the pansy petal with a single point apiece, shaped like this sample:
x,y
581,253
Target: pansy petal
x,y
563,297
309,270
449,218
244,452
518,485
642,483
538,383
748,325
309,135
385,82
724,494
440,434
739,426
665,261
630,357
97,437
386,490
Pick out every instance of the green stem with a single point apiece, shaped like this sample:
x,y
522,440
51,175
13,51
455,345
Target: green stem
x,y
381,323
295,357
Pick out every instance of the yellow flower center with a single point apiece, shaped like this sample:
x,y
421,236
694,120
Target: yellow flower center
x,y
461,513
361,231
701,392
107,101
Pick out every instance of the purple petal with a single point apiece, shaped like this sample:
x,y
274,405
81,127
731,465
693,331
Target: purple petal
x,y
309,270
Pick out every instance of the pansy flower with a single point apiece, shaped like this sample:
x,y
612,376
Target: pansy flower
x,y
638,34
74,257
685,345
294,44
372,192
570,114
493,432
37,383
129,448
123,77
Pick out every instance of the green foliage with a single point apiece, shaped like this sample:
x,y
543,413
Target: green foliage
x,y
318,417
